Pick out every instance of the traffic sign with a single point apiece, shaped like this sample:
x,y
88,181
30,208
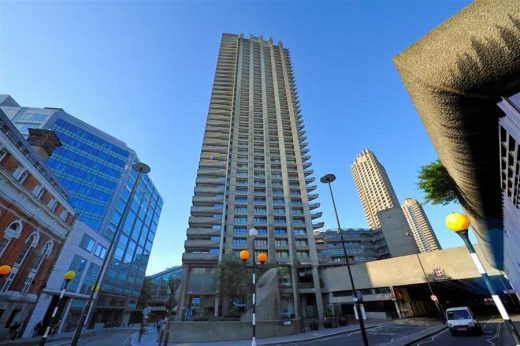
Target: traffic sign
x,y
147,310
434,297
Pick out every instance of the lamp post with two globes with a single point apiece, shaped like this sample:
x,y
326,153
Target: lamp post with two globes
x,y
459,223
262,258
68,277
4,270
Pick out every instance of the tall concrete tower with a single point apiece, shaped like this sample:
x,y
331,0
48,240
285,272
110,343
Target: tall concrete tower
x,y
254,171
420,226
374,188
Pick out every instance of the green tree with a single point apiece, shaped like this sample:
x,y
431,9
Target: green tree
x,y
233,283
232,280
437,185
146,294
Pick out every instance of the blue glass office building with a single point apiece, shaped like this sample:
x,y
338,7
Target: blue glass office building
x,y
95,168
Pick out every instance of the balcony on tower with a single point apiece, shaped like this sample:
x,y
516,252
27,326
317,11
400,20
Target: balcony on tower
x,y
318,225
211,171
316,215
202,232
203,220
201,244
313,196
199,257
314,206
205,209
207,199
311,188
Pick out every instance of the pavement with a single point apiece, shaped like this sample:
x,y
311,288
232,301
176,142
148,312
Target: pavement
x,y
88,337
382,330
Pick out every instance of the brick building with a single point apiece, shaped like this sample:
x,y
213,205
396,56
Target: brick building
x,y
35,218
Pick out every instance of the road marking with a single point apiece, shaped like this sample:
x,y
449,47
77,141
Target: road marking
x,y
432,338
497,333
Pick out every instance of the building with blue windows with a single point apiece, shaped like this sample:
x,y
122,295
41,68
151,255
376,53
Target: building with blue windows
x,y
95,169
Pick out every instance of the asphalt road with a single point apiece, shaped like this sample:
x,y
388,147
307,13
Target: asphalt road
x,y
377,335
495,334
118,337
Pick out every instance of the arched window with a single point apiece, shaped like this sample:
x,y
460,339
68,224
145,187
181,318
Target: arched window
x,y
12,231
30,242
44,253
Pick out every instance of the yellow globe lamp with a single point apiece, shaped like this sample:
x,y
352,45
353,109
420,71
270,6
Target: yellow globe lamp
x,y
70,275
244,255
457,222
4,270
262,257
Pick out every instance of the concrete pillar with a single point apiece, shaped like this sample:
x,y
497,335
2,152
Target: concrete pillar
x,y
317,291
183,291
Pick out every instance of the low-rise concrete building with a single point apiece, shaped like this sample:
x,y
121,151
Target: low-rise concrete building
x,y
362,245
396,287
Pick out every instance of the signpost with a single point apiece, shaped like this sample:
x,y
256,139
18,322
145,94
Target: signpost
x,y
146,312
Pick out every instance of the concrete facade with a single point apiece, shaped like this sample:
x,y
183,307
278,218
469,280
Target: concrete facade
x,y
456,98
254,171
363,245
373,186
509,135
395,228
422,230
385,284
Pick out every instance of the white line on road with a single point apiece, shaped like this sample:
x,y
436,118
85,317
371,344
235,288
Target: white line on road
x,y
497,333
432,338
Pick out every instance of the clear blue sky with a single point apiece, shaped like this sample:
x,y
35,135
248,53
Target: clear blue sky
x,y
142,72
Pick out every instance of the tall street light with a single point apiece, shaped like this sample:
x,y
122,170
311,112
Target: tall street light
x,y
327,179
460,223
140,168
262,258
68,277
433,296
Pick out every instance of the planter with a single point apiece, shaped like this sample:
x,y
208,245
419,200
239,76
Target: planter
x,y
327,322
314,325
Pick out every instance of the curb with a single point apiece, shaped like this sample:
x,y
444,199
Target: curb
x,y
313,338
281,342
421,337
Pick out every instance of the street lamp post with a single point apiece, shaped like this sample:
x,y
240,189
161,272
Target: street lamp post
x,y
262,258
68,277
460,223
327,179
140,168
436,301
